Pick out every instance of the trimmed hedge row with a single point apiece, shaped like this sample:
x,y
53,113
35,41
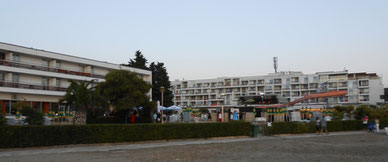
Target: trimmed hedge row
x,y
298,127
28,136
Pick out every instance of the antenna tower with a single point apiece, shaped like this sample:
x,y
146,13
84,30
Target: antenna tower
x,y
275,64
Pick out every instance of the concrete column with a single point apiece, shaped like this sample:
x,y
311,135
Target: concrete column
x,y
53,64
249,117
88,69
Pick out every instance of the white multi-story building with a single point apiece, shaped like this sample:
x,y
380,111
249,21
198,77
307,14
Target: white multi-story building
x,y
363,88
40,78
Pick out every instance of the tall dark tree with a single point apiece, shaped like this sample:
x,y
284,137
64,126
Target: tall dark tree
x,y
138,62
125,90
160,79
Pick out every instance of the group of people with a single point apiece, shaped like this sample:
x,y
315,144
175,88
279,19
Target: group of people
x,y
233,116
373,126
321,125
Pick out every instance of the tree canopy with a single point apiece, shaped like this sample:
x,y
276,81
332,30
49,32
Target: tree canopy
x,y
80,95
160,79
124,89
138,62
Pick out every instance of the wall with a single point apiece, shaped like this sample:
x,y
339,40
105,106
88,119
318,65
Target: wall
x,y
30,79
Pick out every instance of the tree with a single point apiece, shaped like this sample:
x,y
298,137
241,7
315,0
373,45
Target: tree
x,y
124,90
160,79
342,111
337,115
33,117
139,62
80,96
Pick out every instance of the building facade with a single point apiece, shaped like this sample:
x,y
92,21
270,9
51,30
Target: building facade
x,y
40,78
363,88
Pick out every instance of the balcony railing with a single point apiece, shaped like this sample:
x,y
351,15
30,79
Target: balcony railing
x,y
30,86
46,68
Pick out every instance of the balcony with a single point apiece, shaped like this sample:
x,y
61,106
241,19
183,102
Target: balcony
x,y
26,65
30,86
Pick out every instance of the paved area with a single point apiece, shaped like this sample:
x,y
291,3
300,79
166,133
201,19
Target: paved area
x,y
343,146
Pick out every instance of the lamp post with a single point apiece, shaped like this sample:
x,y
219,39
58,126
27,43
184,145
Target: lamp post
x,y
162,93
222,107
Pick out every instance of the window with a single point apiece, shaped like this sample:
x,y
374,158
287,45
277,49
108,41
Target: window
x,y
58,65
1,76
2,56
306,79
15,78
92,69
81,68
315,78
45,81
288,80
16,58
45,63
58,82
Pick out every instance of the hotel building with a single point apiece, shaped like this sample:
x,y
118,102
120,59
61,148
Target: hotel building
x,y
40,78
362,88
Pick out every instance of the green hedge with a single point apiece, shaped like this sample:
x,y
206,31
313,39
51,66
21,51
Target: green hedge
x,y
298,127
28,136
383,123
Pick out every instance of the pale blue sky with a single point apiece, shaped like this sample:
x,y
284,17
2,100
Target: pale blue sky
x,y
210,38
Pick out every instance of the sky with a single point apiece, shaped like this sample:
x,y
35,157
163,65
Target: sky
x,y
201,39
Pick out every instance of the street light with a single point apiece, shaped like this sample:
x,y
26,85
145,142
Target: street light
x,y
222,106
162,93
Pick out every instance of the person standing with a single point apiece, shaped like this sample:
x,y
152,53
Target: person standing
x,y
371,126
235,115
365,122
133,118
377,125
155,117
317,125
324,125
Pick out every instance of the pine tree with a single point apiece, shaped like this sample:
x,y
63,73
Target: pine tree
x,y
138,62
160,79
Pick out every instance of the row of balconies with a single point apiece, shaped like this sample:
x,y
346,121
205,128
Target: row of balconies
x,y
30,86
278,87
26,65
339,84
229,83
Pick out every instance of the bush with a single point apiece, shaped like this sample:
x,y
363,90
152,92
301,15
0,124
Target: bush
x,y
3,120
28,136
383,123
298,128
32,117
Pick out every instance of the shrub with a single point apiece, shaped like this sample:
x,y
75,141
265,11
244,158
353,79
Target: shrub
x,y
28,136
298,128
3,120
383,123
32,117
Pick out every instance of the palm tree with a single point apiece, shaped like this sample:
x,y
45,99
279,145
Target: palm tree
x,y
81,95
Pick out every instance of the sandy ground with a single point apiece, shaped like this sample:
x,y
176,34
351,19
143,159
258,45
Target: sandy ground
x,y
341,147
